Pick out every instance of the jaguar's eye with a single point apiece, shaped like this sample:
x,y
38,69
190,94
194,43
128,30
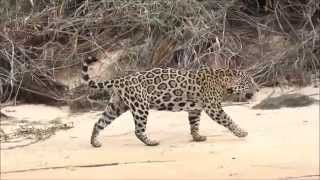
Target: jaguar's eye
x,y
230,90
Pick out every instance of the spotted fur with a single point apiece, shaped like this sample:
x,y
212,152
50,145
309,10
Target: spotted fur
x,y
171,90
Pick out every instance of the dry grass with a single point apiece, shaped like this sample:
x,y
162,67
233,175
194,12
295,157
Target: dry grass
x,y
20,133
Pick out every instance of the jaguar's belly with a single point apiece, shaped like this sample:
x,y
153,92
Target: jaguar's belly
x,y
176,106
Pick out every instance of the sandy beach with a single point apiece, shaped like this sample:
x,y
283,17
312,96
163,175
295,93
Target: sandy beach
x,y
282,143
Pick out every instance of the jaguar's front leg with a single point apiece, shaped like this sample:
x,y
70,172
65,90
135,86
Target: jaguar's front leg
x,y
194,121
140,121
218,115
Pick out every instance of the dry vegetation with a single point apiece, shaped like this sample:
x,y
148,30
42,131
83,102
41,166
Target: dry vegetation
x,y
276,40
23,132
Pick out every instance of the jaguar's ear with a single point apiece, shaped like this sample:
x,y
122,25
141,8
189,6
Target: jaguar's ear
x,y
229,90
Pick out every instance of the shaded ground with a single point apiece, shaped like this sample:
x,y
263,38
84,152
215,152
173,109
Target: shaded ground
x,y
282,143
286,100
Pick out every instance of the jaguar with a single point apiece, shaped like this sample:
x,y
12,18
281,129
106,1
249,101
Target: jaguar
x,y
169,89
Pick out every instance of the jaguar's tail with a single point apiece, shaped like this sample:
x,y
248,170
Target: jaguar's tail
x,y
92,83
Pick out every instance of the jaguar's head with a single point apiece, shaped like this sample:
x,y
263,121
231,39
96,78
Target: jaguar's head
x,y
242,84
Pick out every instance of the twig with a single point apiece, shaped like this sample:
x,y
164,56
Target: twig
x,y
304,176
22,145
84,166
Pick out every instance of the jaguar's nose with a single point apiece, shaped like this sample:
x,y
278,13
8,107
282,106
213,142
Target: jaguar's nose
x,y
249,95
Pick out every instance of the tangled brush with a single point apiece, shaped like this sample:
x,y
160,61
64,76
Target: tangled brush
x,y
277,41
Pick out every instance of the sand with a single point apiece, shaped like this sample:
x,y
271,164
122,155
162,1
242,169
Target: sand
x,y
282,143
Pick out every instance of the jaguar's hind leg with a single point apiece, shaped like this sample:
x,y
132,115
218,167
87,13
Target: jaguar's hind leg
x,y
113,110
